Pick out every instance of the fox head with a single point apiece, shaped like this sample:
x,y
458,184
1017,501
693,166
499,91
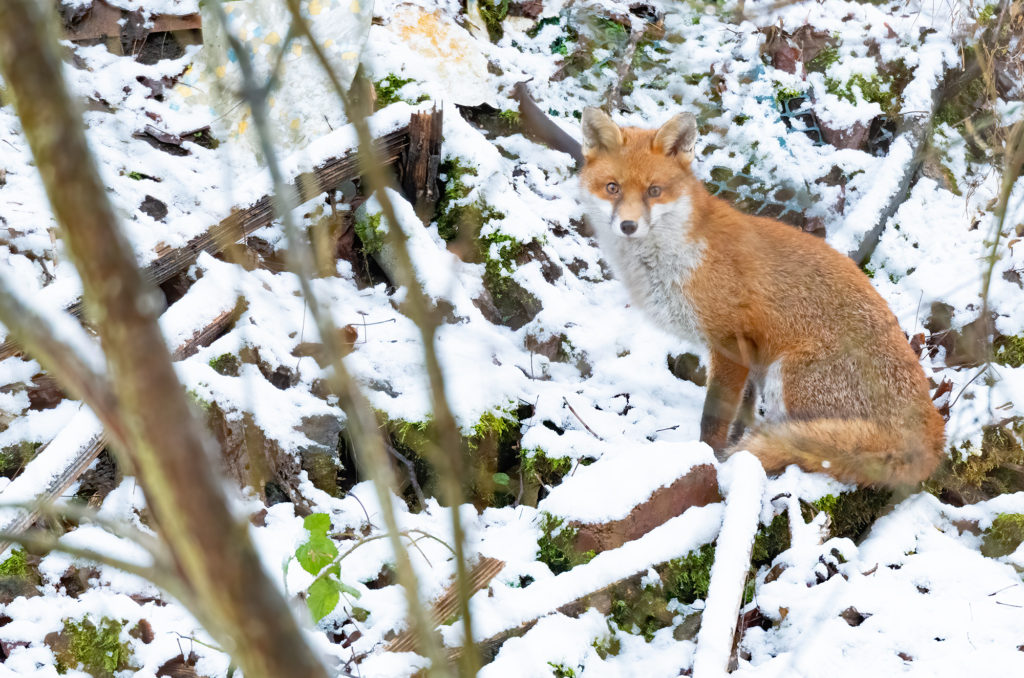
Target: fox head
x,y
634,179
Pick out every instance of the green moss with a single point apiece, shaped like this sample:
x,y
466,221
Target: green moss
x,y
499,423
534,30
1004,536
986,14
971,475
607,646
561,44
455,216
686,579
500,254
226,364
875,88
491,444
1009,351
611,30
14,457
561,670
770,541
509,117
97,650
642,616
15,565
370,231
556,546
850,513
493,12
533,463
389,88
199,401
786,93
823,59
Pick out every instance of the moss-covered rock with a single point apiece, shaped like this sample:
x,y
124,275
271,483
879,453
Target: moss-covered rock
x,y
556,545
226,364
457,217
971,475
19,576
97,649
643,614
850,514
1004,536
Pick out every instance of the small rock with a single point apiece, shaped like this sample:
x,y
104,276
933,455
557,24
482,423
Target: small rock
x,y
852,617
154,208
687,629
852,137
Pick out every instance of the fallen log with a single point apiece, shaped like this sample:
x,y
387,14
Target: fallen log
x,y
75,449
102,20
729,572
327,177
511,612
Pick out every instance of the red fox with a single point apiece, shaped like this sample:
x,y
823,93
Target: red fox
x,y
779,309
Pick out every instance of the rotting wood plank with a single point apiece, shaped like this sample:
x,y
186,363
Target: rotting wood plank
x,y
93,446
447,605
242,223
422,160
103,21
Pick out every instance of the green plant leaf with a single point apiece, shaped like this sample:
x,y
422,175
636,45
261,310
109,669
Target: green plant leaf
x,y
317,523
346,589
501,479
323,597
316,553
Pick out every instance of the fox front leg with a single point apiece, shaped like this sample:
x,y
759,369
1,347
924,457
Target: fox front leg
x,y
726,382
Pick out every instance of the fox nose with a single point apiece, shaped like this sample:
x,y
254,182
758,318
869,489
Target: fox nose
x,y
628,227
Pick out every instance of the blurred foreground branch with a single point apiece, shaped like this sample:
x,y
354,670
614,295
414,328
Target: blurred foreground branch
x,y
155,430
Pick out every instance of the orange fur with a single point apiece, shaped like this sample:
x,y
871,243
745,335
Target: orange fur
x,y
770,299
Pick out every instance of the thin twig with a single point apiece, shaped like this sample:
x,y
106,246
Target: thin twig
x,y
580,419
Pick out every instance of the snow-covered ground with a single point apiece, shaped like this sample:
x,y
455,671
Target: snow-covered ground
x,y
924,599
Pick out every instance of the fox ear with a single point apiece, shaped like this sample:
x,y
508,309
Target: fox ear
x,y
599,132
677,136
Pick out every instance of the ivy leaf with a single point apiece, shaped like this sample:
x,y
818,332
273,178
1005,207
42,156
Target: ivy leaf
x,y
316,553
323,597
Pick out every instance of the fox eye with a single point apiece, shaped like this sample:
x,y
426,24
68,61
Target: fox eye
x,y
612,187
654,191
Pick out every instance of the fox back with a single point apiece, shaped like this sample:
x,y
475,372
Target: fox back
x,y
779,310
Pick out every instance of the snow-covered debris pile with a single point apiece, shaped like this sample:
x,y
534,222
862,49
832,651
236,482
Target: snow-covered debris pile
x,y
578,418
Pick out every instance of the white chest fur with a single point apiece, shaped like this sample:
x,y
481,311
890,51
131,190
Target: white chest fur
x,y
655,267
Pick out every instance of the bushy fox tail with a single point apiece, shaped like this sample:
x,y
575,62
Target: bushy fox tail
x,y
852,450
